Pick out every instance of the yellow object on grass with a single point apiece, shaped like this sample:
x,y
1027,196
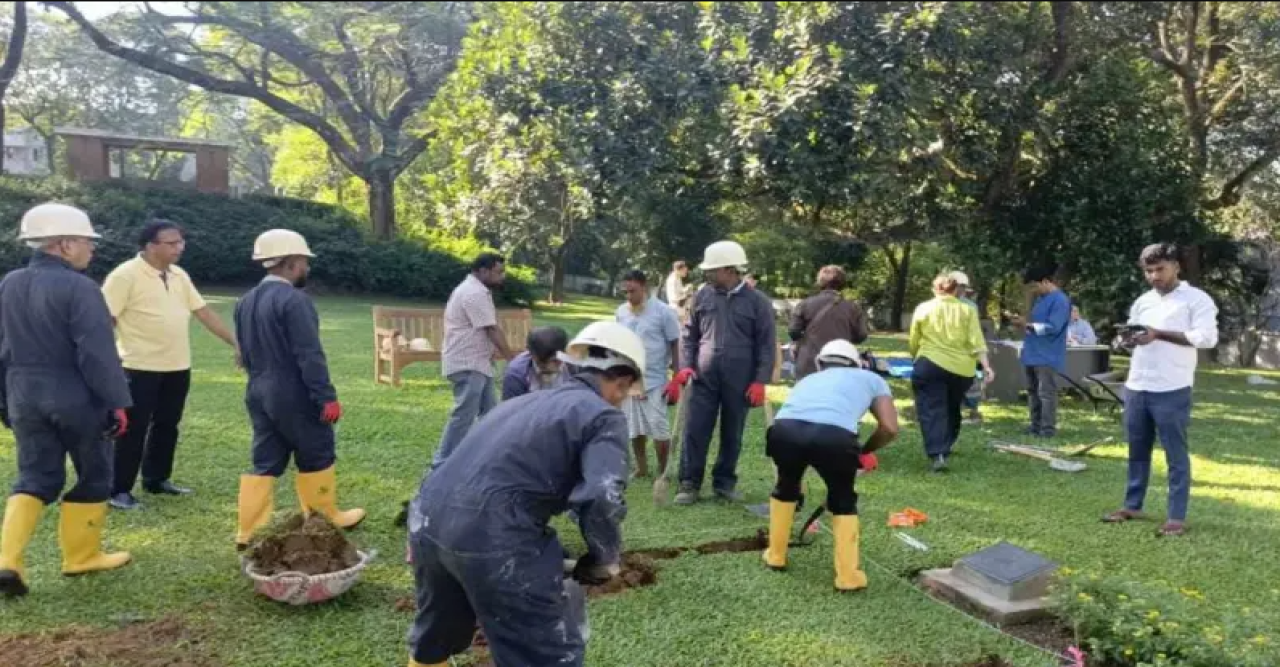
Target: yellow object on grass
x,y
80,535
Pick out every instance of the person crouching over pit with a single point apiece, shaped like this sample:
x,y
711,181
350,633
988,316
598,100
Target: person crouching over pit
x,y
818,426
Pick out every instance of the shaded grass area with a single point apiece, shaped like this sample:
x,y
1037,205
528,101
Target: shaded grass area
x,y
723,609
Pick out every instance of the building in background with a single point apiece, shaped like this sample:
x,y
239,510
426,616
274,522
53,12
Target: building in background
x,y
25,153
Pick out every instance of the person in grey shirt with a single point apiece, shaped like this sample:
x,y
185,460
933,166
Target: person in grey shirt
x,y
1079,331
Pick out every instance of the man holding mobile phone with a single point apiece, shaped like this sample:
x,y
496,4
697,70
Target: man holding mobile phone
x,y
1166,327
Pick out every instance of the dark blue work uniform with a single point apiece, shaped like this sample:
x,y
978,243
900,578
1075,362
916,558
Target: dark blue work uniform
x,y
61,378
730,342
482,548
278,330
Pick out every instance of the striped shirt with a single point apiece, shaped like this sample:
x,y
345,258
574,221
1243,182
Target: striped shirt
x,y
466,343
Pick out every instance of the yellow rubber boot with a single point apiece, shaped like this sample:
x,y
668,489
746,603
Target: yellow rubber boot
x,y
80,534
849,574
21,515
318,492
415,663
781,516
257,493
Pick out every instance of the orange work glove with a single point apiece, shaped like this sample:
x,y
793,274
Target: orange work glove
x,y
331,413
755,394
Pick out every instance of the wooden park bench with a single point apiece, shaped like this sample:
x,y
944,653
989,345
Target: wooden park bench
x,y
395,328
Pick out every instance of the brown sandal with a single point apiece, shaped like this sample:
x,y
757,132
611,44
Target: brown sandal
x,y
1172,529
1121,516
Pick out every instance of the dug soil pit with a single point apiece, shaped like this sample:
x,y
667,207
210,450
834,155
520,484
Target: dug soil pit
x,y
637,570
163,643
310,545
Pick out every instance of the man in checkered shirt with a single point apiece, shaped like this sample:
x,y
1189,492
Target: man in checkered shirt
x,y
471,338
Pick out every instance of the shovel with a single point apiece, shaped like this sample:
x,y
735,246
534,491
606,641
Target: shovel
x,y
1055,463
662,485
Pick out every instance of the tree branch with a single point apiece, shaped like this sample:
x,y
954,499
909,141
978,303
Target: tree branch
x,y
280,41
331,136
1233,189
17,43
1215,51
1162,56
1191,26
1225,101
349,66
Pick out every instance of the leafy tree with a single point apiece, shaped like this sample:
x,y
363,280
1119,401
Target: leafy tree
x,y
563,118
355,73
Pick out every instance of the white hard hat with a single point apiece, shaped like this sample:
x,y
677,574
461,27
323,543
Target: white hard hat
x,y
420,345
838,349
723,253
53,220
623,348
960,277
277,243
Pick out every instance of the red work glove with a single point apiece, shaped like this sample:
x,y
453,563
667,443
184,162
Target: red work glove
x,y
868,462
331,413
120,423
755,394
683,377
672,392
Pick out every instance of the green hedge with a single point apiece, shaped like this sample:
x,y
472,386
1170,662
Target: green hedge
x,y
220,234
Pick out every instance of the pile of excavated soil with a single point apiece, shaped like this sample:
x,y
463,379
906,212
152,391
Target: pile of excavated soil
x,y
163,643
311,545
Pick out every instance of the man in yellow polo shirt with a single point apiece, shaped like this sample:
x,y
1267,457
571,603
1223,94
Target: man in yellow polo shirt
x,y
151,301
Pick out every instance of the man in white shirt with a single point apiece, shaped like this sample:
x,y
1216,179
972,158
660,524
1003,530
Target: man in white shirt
x,y
1168,325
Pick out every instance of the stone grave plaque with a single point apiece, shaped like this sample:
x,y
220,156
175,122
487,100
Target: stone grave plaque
x,y
1007,572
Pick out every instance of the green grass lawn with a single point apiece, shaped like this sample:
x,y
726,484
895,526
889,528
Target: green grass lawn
x,y
705,610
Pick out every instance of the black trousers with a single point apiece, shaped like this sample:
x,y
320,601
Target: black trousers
x,y
794,445
286,425
939,395
152,438
51,424
720,392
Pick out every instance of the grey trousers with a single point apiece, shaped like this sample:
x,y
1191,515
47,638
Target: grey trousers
x,y
1042,398
473,398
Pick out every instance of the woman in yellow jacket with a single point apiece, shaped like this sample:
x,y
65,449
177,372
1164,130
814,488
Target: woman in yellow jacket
x,y
945,341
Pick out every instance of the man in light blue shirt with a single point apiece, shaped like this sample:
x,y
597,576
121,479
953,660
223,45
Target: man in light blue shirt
x,y
1044,350
1080,332
658,326
818,426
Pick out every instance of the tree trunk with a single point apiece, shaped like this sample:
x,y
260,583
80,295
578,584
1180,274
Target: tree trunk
x,y
12,59
557,276
382,204
50,144
901,273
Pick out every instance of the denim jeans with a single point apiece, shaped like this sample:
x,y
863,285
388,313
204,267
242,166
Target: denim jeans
x,y
1167,415
473,397
1042,398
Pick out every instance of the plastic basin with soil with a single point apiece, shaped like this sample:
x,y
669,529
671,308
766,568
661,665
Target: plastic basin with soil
x,y
303,560
309,545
